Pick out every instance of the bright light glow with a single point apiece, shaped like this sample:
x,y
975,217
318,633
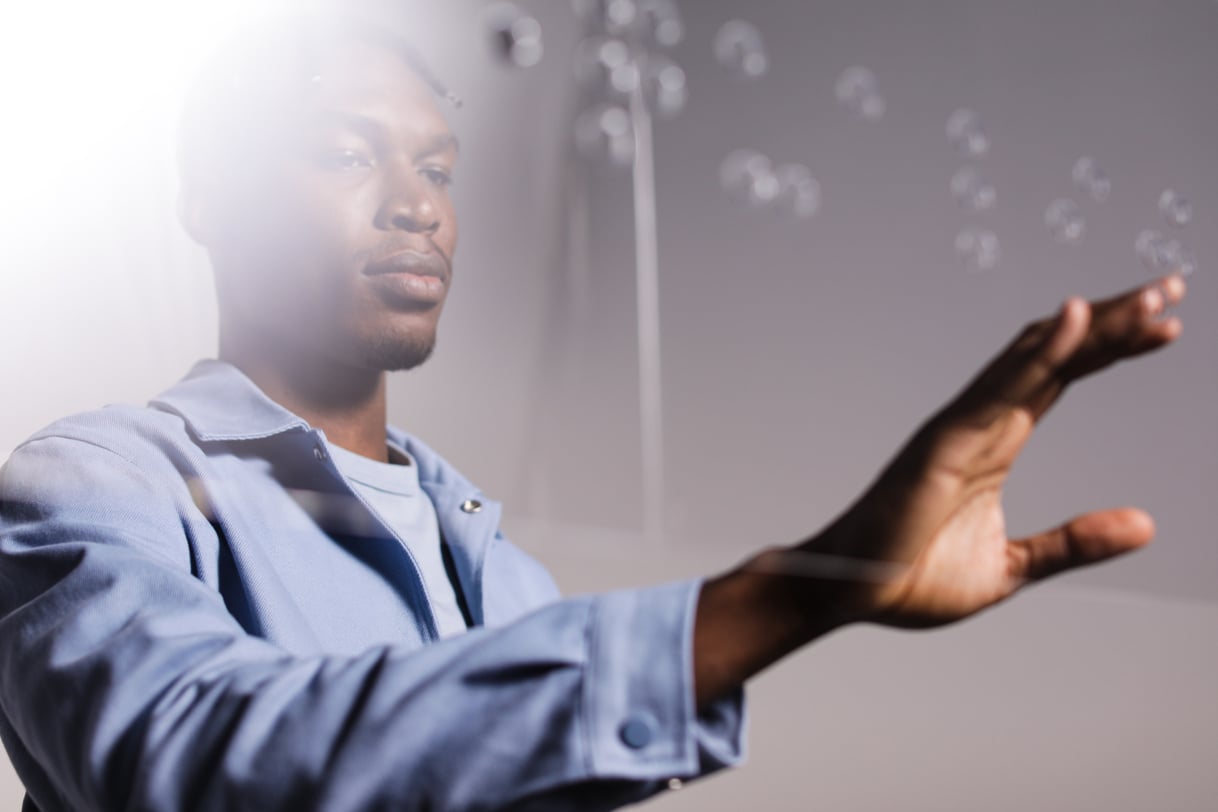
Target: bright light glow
x,y
82,78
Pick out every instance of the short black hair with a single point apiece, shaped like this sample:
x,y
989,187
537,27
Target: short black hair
x,y
255,67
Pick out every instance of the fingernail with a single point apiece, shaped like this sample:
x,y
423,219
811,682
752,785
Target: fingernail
x,y
1152,300
1173,287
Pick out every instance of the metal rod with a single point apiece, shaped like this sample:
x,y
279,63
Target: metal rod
x,y
646,238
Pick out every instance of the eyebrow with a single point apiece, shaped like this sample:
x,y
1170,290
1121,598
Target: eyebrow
x,y
374,130
441,143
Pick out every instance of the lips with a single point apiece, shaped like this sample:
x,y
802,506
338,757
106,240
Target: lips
x,y
408,279
410,262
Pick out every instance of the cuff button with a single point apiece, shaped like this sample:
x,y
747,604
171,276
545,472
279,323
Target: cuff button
x,y
638,730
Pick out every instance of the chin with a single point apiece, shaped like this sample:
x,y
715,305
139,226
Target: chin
x,y
395,353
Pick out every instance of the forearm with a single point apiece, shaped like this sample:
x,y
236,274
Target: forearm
x,y
754,615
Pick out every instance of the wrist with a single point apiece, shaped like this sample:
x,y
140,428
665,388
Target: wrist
x,y
809,588
750,617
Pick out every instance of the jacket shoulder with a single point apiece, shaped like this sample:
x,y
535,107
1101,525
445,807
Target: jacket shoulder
x,y
132,432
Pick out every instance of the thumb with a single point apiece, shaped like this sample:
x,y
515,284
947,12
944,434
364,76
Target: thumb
x,y
1086,539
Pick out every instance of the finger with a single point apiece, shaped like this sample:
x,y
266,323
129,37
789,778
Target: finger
x,y
1127,326
1086,539
1017,377
1031,372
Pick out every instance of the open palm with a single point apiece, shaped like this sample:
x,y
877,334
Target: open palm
x,y
934,515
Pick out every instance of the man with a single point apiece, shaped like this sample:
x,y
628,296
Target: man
x,y
253,593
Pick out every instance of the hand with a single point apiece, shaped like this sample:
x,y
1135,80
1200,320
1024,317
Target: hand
x,y
934,519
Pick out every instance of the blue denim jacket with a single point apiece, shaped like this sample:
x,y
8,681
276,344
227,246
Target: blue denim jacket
x,y
198,612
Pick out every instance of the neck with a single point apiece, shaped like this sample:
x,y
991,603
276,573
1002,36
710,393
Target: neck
x,y
347,403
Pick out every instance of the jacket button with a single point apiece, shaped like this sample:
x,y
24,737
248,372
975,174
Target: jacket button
x,y
320,453
637,731
471,506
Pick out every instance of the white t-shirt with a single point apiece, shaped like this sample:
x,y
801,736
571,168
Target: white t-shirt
x,y
399,501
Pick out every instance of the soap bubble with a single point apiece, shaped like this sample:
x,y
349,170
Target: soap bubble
x,y
1091,179
740,48
872,107
620,15
798,191
1173,257
515,36
748,177
1065,220
965,134
971,190
1148,246
858,90
613,16
606,63
1161,255
661,22
978,248
604,133
1186,263
650,22
854,83
664,85
1175,208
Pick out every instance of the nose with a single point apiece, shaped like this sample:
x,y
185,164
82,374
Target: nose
x,y
409,206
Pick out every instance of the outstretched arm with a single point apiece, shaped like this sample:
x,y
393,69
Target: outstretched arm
x,y
926,544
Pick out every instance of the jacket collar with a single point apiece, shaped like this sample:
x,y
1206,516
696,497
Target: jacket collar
x,y
219,402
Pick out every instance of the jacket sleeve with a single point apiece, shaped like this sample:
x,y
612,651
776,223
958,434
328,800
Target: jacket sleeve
x,y
129,685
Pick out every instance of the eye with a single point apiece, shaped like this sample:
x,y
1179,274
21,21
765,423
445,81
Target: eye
x,y
437,176
344,160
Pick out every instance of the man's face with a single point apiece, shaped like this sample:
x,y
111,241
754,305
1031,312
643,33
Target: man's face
x,y
341,243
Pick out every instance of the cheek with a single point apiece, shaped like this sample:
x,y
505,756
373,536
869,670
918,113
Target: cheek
x,y
300,247
447,236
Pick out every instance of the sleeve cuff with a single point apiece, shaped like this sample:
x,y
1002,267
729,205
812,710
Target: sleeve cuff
x,y
641,720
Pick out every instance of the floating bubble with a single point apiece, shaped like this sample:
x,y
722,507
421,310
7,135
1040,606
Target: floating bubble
x,y
972,191
1175,208
661,22
1146,242
614,16
620,15
798,191
854,84
872,107
664,85
964,132
858,90
515,36
604,133
1091,179
1173,257
607,64
740,48
1065,220
748,177
650,22
1161,255
978,248
1186,263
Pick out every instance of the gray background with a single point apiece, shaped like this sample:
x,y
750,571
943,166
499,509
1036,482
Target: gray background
x,y
797,358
